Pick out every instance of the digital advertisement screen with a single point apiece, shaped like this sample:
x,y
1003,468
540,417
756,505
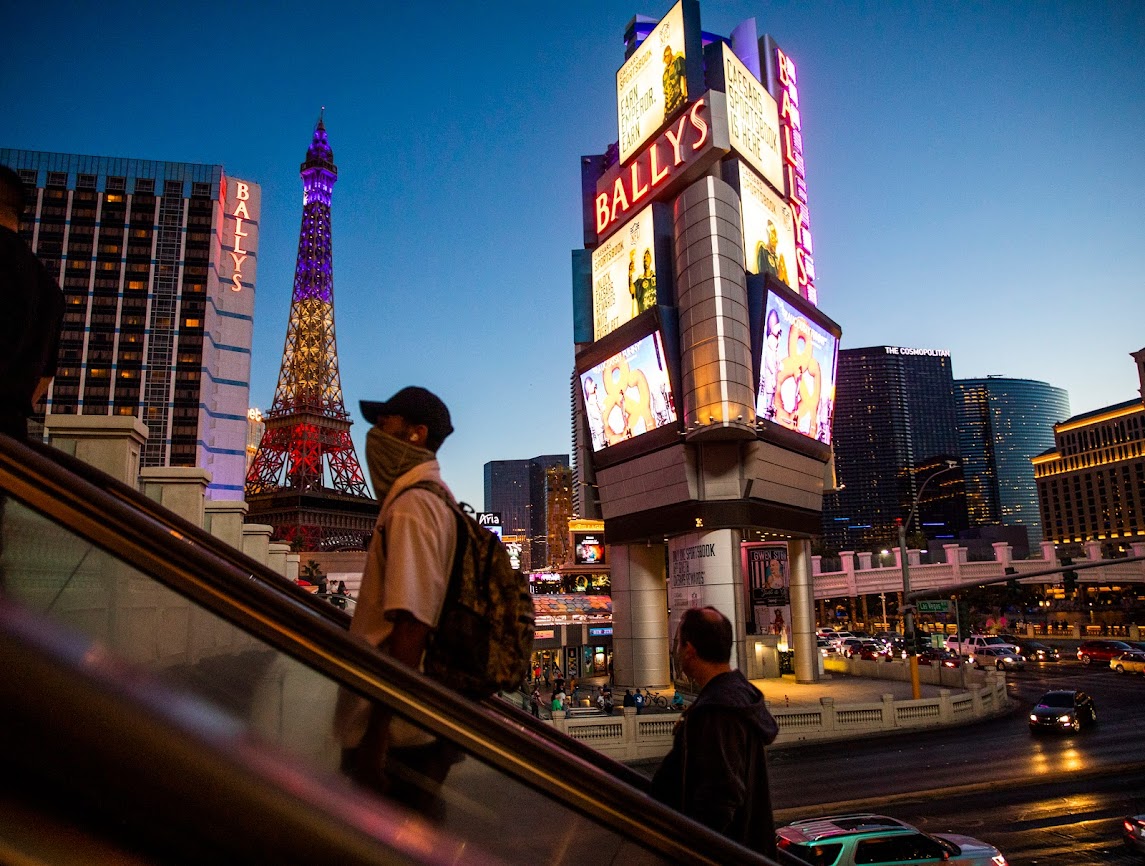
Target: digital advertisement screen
x,y
753,119
652,85
624,275
588,548
768,230
769,583
628,394
796,371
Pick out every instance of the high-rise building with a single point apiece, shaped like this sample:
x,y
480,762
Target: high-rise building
x,y
1091,484
894,429
157,262
518,490
1002,424
305,479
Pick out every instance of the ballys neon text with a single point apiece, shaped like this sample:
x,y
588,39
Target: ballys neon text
x,y
796,170
240,213
653,167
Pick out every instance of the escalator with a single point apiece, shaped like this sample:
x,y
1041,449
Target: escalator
x,y
161,608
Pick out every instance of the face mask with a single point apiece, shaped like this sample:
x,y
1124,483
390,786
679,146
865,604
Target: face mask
x,y
389,458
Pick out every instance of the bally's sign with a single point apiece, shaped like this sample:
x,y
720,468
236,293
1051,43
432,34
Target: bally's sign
x,y
679,155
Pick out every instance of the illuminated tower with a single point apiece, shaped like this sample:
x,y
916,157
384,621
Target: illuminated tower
x,y
305,479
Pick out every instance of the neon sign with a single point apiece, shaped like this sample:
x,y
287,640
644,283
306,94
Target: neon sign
x,y
670,158
796,172
240,213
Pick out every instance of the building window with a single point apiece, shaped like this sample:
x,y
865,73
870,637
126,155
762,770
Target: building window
x,y
57,178
85,181
173,189
201,190
28,176
116,184
142,184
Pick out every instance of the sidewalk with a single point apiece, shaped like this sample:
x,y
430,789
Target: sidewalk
x,y
786,692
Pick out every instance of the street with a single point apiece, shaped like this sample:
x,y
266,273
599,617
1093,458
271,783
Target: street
x,y
1040,799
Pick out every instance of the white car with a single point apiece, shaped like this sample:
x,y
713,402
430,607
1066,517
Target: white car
x,y
845,840
1001,658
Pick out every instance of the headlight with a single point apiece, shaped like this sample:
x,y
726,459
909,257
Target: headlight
x,y
1065,719
1033,717
998,860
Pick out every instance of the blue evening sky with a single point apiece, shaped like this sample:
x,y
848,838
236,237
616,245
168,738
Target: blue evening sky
x,y
976,175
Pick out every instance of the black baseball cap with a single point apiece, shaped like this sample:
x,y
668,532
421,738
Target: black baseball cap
x,y
416,406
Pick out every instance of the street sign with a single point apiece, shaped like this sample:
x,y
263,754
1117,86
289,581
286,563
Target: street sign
x,y
936,605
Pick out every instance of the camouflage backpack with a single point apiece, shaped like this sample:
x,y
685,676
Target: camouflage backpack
x,y
483,642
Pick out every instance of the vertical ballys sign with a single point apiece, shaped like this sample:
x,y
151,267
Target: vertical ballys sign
x,y
796,171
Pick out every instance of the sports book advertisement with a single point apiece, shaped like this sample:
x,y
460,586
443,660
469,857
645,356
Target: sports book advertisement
x,y
796,371
629,394
624,275
768,229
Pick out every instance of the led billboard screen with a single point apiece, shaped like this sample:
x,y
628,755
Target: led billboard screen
x,y
624,275
588,548
753,118
797,369
629,393
768,229
652,85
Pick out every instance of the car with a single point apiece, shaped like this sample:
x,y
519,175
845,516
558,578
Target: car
x,y
967,646
838,637
939,658
872,650
1101,650
1040,652
1133,832
1130,662
824,646
844,840
1063,710
851,646
1001,658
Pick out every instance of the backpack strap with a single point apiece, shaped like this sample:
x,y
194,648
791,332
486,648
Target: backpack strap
x,y
453,587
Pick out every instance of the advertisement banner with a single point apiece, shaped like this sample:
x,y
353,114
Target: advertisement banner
x,y
629,394
624,275
769,589
768,229
652,85
753,120
588,548
797,371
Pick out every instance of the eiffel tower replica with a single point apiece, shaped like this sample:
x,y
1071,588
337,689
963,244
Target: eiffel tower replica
x,y
305,479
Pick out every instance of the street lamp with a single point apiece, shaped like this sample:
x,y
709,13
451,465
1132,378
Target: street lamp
x,y
908,620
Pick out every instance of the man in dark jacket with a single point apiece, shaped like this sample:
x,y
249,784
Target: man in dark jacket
x,y
716,772
33,314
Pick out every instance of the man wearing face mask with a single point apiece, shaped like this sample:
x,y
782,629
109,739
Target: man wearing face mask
x,y
408,564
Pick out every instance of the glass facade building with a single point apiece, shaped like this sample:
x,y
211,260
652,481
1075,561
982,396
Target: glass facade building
x,y
518,489
157,264
1002,425
895,427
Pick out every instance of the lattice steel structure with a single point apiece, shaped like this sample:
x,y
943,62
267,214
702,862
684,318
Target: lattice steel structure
x,y
305,479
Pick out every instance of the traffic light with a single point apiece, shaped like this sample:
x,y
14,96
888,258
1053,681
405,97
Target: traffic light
x,y
1012,583
1069,578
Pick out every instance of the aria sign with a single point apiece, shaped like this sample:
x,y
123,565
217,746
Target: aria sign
x,y
677,155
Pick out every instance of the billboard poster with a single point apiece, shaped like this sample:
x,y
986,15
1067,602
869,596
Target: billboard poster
x,y
652,85
753,119
588,548
768,230
769,585
796,371
624,275
628,394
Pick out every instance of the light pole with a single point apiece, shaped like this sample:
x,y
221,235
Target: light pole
x,y
908,619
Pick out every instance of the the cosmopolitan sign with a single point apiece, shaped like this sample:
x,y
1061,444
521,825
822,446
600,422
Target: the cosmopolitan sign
x,y
681,153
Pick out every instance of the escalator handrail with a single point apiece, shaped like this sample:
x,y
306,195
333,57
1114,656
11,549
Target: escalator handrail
x,y
139,501
130,759
197,572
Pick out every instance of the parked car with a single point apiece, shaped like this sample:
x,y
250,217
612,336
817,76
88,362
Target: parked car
x,y
940,658
1063,710
824,646
1040,652
844,840
1101,650
1000,657
839,637
1133,832
1130,662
